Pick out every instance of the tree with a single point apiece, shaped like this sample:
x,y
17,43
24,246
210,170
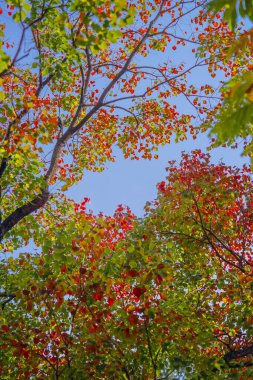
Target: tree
x,y
81,85
106,297
234,119
168,296
195,248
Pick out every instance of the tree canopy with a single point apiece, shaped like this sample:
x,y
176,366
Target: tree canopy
x,y
234,119
85,296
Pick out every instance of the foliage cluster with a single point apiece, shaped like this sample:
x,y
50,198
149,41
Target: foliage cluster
x,y
166,296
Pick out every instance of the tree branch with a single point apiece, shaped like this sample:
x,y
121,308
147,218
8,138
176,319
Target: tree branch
x,y
150,350
239,354
9,297
23,211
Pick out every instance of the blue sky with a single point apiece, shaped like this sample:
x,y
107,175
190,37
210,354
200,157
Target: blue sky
x,y
133,183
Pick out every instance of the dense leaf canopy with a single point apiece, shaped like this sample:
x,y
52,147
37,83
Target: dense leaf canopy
x,y
85,296
234,119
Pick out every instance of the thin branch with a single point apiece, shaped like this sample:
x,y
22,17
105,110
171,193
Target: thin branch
x,y
167,81
131,56
211,243
128,111
85,83
150,350
12,63
174,36
183,235
233,253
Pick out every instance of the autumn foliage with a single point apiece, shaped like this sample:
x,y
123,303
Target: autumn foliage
x,y
85,296
169,293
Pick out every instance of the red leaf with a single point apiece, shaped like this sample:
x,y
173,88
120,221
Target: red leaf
x,y
158,279
138,291
29,306
63,269
110,301
161,186
132,273
82,270
5,328
98,296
